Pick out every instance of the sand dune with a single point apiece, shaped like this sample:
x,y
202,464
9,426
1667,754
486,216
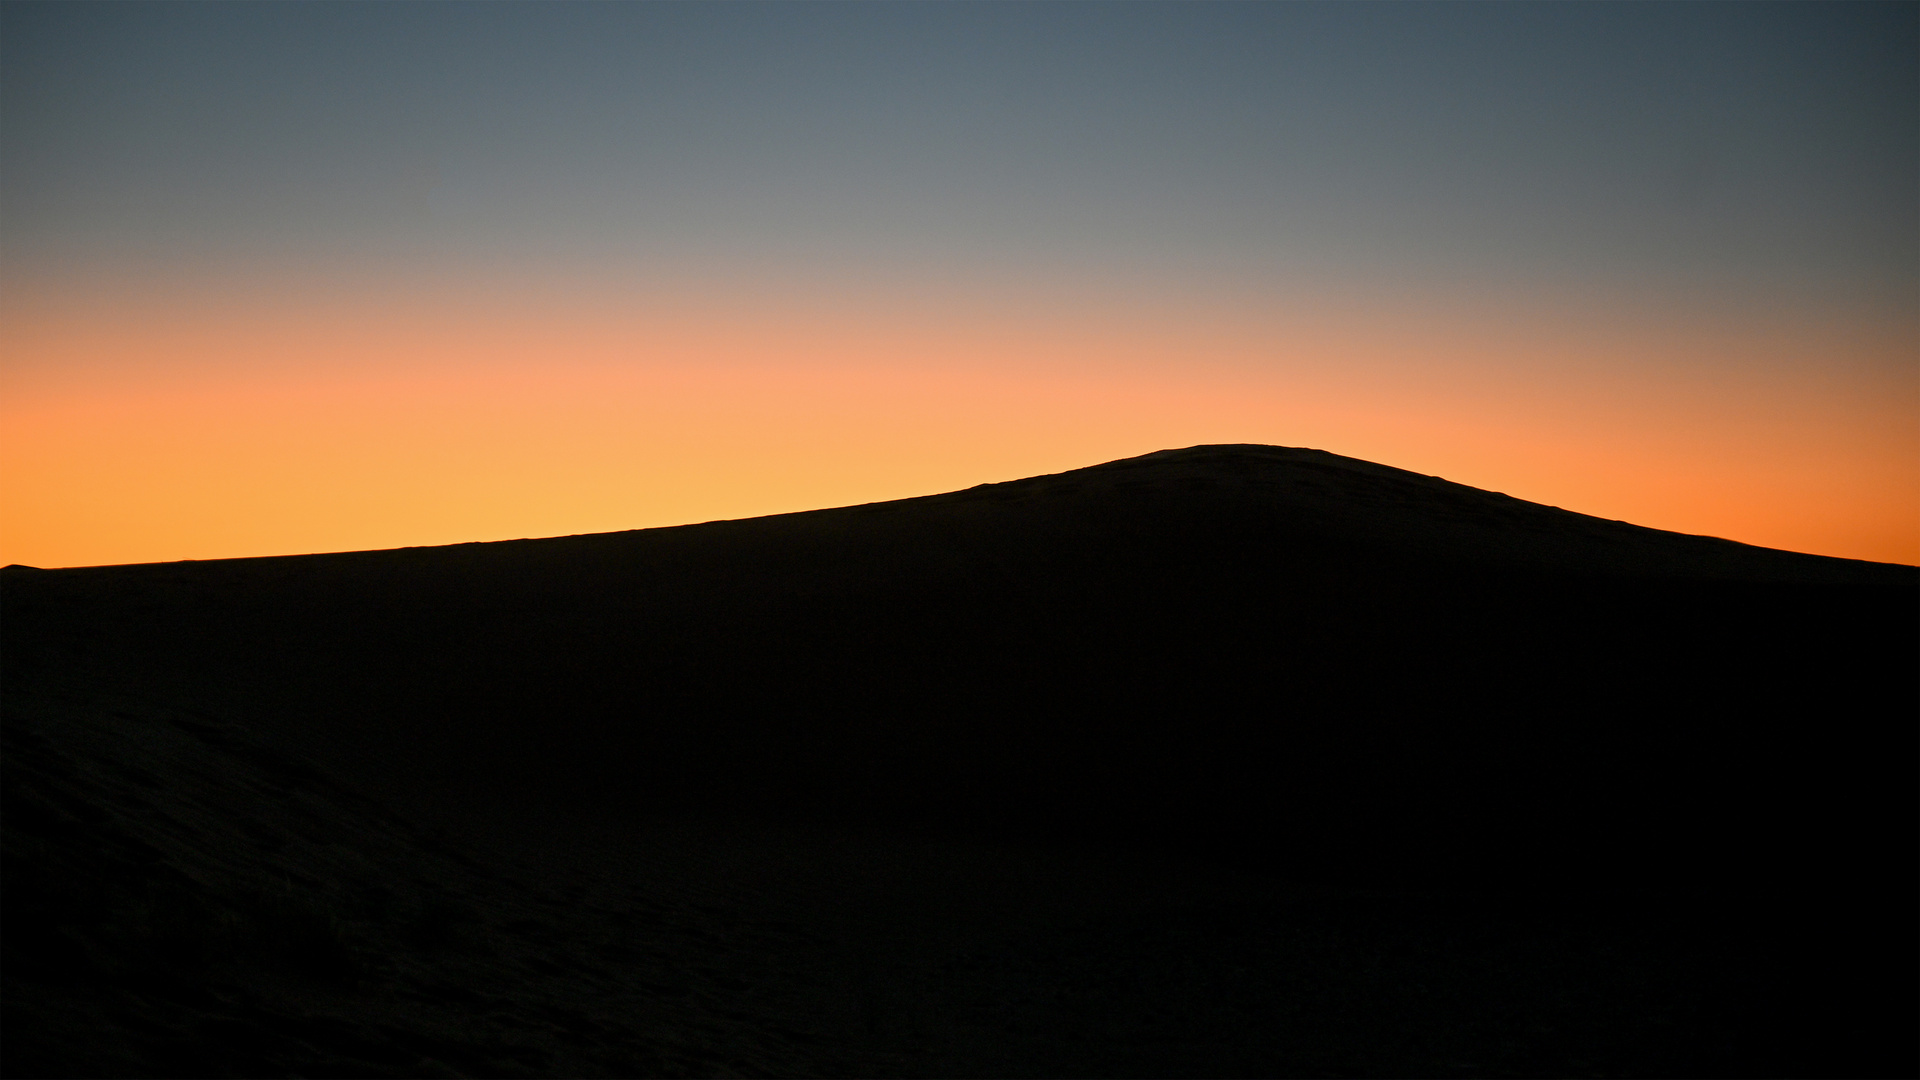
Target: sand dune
x,y
1227,760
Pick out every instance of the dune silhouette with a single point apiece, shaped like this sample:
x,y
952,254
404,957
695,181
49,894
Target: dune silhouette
x,y
1234,760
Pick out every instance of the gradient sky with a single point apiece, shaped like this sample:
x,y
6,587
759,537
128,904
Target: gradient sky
x,y
285,278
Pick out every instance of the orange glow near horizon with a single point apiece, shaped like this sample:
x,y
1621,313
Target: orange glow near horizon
x,y
166,429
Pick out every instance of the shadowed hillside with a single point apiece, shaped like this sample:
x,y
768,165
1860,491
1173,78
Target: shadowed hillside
x,y
1315,685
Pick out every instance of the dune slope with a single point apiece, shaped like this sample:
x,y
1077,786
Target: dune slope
x,y
1264,664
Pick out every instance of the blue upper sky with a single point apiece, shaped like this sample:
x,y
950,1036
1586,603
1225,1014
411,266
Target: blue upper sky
x,y
1768,147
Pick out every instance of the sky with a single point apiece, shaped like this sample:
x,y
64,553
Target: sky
x,y
285,278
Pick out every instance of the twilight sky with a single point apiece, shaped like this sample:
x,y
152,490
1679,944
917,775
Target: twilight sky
x,y
290,278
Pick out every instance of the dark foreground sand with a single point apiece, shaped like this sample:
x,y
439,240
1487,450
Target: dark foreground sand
x,y
1232,761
